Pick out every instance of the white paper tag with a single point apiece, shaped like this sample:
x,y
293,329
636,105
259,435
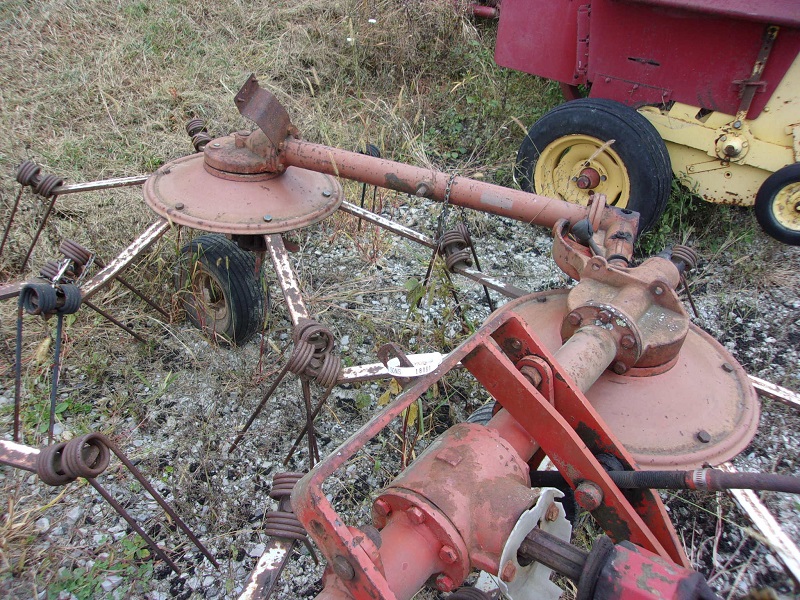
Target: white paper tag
x,y
423,364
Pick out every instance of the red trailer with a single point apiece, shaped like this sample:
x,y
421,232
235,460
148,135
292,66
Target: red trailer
x,y
713,85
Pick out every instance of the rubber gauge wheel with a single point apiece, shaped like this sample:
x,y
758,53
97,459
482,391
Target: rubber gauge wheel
x,y
596,146
219,289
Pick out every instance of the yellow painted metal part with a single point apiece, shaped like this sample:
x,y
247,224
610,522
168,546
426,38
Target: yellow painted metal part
x,y
561,162
786,207
726,160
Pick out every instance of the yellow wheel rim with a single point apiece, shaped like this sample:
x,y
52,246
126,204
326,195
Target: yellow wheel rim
x,y
786,206
561,163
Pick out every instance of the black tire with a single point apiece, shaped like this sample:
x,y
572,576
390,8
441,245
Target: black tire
x,y
638,155
219,289
778,205
482,415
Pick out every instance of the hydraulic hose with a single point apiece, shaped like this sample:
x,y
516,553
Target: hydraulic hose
x,y
699,479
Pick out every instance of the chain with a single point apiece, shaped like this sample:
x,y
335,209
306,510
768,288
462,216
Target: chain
x,y
446,202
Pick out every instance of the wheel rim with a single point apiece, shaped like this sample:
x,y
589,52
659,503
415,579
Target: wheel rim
x,y
786,206
209,301
575,167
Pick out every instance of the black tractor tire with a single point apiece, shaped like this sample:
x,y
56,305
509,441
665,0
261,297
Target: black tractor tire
x,y
219,289
778,205
636,165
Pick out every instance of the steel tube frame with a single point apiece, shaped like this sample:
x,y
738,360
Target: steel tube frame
x,y
102,184
418,181
125,258
18,456
286,278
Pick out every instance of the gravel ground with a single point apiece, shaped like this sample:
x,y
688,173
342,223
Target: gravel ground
x,y
175,405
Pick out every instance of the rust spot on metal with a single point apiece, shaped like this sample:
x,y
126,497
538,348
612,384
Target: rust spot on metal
x,y
393,182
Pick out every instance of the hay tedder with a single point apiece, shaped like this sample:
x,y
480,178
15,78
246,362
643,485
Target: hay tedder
x,y
609,381
712,86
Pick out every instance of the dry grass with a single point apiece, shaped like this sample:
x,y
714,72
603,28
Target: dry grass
x,y
94,89
97,89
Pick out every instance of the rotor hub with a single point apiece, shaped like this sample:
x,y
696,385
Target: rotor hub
x,y
702,409
227,189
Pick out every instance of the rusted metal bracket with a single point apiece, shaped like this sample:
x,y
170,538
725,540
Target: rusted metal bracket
x,y
263,108
752,84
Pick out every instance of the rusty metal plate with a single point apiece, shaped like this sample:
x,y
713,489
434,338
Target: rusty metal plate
x,y
663,419
185,193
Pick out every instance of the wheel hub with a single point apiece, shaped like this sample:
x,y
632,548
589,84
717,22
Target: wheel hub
x,y
786,207
588,179
575,167
663,419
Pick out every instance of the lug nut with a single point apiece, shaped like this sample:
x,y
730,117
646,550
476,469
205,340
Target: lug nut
x,y
415,515
627,342
604,316
574,319
444,583
619,367
448,555
381,508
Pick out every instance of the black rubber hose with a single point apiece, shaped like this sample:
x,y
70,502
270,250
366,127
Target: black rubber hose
x,y
700,479
659,480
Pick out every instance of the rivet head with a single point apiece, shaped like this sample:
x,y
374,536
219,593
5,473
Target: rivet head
x,y
326,193
619,367
604,316
727,367
267,218
215,145
658,290
627,342
515,344
179,206
552,512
